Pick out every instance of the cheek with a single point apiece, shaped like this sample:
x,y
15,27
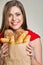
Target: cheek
x,y
20,21
9,20
21,18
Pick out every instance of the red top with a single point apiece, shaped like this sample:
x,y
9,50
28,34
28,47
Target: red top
x,y
1,35
33,35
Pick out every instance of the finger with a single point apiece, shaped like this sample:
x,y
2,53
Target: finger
x,y
28,47
5,50
4,55
29,54
4,45
28,50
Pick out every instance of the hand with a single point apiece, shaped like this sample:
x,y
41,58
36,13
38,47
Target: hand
x,y
30,50
4,50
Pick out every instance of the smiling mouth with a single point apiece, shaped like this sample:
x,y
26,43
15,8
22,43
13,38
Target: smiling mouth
x,y
15,23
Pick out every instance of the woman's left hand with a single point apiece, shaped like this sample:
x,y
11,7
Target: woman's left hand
x,y
30,50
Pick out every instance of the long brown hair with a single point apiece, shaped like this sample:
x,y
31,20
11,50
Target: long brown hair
x,y
7,6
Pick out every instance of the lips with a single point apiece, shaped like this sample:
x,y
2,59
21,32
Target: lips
x,y
14,23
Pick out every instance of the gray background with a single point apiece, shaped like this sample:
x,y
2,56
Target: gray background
x,y
34,13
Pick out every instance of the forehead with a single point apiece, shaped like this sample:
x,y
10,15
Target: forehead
x,y
15,9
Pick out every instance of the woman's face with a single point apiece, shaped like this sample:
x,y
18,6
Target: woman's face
x,y
15,18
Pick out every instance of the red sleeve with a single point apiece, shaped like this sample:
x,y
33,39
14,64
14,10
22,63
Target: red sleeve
x,y
1,35
33,35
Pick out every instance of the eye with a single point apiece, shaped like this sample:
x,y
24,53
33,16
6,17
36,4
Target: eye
x,y
9,15
17,14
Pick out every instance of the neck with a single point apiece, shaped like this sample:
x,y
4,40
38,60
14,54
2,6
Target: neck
x,y
20,29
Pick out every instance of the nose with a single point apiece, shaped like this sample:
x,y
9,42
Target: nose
x,y
14,18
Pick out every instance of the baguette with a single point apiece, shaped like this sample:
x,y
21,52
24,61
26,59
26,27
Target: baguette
x,y
9,37
27,38
21,37
4,40
8,33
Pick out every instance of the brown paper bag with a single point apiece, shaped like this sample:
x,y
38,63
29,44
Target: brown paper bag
x,y
18,55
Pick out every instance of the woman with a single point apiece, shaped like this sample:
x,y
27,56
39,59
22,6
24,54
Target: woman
x,y
14,18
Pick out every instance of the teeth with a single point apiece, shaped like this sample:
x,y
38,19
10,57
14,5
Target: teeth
x,y
15,23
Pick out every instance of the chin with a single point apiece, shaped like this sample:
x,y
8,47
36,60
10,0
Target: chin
x,y
16,28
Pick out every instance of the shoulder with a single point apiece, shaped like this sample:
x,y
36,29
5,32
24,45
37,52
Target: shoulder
x,y
33,35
